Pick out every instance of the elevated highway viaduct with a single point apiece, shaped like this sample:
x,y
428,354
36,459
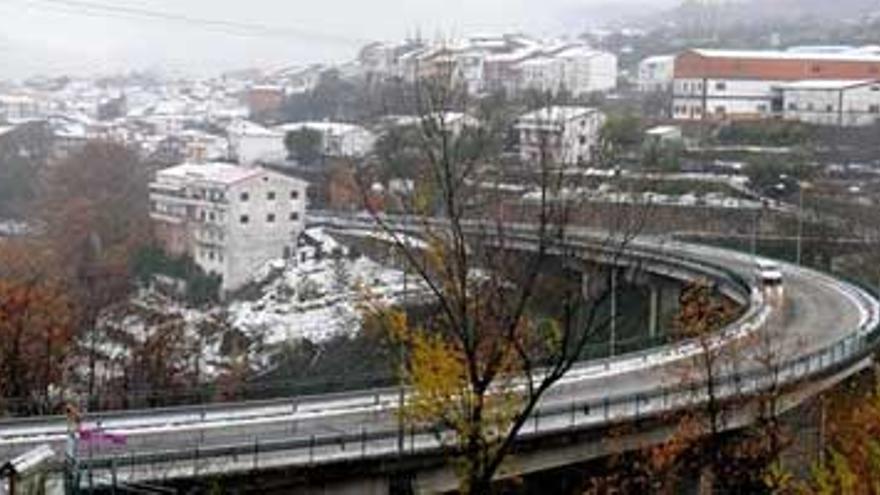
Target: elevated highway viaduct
x,y
827,329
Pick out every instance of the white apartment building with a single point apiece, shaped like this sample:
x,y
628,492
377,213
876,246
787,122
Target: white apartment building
x,y
541,74
230,219
577,69
338,139
587,71
251,143
564,135
844,103
20,108
656,73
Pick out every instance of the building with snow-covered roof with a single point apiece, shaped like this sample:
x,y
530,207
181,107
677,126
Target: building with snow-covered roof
x,y
337,139
567,135
842,103
585,70
230,219
736,84
454,122
251,143
16,108
656,73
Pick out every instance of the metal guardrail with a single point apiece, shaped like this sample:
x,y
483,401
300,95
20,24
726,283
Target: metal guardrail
x,y
361,443
558,416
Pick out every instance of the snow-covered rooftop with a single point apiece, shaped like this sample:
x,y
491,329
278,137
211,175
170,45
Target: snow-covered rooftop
x,y
849,56
658,59
827,84
332,128
247,128
556,114
222,173
578,51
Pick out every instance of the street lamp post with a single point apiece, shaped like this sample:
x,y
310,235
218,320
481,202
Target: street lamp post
x,y
800,224
613,340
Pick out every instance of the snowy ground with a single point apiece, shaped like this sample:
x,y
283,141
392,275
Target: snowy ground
x,y
316,300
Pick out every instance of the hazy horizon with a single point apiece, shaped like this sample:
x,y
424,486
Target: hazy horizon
x,y
79,37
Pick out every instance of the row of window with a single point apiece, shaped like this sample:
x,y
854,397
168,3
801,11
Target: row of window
x,y
810,107
698,86
270,196
719,110
270,217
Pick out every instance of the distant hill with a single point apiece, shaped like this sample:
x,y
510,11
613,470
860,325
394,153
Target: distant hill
x,y
772,11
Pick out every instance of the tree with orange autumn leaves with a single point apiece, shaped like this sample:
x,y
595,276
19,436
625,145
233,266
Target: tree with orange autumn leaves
x,y
700,445
850,460
477,368
36,330
94,213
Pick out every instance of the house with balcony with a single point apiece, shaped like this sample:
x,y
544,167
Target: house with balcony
x,y
565,135
230,219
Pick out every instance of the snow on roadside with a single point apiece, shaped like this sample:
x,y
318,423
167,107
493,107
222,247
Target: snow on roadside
x,y
315,300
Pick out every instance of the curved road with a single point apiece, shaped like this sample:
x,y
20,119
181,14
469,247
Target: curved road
x,y
818,311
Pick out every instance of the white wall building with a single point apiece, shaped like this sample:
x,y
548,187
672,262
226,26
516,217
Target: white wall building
x,y
577,69
826,102
566,135
742,84
20,108
587,71
656,73
338,139
230,219
250,143
541,74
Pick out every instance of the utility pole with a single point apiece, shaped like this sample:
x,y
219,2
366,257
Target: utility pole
x,y
800,225
613,340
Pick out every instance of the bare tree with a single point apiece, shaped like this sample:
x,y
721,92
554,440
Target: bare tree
x,y
480,365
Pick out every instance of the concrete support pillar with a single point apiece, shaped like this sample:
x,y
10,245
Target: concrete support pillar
x,y
654,309
612,344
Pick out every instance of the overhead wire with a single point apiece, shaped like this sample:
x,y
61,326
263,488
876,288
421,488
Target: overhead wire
x,y
93,8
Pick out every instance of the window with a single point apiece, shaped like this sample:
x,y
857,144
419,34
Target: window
x,y
212,216
874,109
762,108
211,255
294,216
582,140
810,106
270,195
875,88
294,194
244,196
720,110
829,108
792,106
244,219
815,69
720,85
270,218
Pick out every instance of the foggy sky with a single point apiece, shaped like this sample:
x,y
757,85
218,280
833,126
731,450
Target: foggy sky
x,y
40,37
